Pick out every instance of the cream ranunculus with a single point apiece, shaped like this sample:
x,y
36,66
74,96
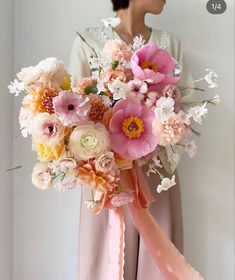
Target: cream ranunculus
x,y
41,176
47,129
88,141
104,162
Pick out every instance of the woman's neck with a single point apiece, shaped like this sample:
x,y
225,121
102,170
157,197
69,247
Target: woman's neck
x,y
132,24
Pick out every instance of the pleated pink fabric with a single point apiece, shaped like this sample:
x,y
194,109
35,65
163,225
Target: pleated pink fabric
x,y
93,237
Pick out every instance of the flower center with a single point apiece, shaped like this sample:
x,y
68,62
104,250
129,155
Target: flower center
x,y
71,107
149,65
133,127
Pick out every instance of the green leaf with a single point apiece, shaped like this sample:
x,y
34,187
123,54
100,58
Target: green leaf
x,y
114,64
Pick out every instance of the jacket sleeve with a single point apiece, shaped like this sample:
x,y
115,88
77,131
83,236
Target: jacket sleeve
x,y
185,75
78,62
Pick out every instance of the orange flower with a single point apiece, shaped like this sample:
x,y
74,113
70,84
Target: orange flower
x,y
47,153
107,117
39,99
97,108
97,180
85,86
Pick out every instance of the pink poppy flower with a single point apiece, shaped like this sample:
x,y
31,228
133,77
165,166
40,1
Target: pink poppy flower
x,y
130,129
153,64
70,107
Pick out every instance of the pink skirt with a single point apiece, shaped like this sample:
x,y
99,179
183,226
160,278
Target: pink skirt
x,y
93,236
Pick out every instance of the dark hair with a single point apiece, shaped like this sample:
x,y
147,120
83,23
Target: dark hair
x,y
120,4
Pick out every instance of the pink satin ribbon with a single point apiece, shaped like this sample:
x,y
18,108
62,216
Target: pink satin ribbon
x,y
171,263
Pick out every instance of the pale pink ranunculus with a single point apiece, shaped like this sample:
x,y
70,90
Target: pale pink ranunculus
x,y
47,129
153,64
117,50
41,177
71,108
169,131
173,92
122,199
130,129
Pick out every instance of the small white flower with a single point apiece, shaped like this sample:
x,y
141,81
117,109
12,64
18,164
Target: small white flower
x,y
118,89
215,99
198,112
111,22
190,148
138,86
157,161
138,42
152,169
211,78
165,108
166,183
177,68
16,87
184,117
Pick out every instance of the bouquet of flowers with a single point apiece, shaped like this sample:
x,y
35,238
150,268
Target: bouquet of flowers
x,y
125,114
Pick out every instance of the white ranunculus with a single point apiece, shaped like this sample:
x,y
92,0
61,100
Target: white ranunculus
x,y
166,183
111,22
41,176
47,129
88,141
29,75
52,70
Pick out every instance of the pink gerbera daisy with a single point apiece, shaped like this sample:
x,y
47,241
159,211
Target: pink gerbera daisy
x,y
70,107
131,129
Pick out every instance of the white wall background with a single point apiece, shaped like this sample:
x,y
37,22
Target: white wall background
x,y
46,224
6,139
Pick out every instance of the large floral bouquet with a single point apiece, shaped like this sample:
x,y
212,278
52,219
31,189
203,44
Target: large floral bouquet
x,y
125,114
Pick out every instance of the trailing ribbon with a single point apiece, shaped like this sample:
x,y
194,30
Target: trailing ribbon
x,y
171,263
116,244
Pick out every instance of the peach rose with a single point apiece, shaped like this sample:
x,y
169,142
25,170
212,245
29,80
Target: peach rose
x,y
104,162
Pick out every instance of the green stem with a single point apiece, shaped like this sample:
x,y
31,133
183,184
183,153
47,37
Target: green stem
x,y
84,40
195,132
14,168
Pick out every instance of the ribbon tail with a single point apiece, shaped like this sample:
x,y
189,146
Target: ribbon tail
x,y
116,244
171,263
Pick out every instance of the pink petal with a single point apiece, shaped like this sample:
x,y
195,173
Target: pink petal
x,y
116,121
118,143
164,62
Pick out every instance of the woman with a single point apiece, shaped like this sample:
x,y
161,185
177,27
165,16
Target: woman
x,y
93,235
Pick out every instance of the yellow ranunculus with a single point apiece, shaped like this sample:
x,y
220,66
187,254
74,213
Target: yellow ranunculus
x,y
66,84
47,153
